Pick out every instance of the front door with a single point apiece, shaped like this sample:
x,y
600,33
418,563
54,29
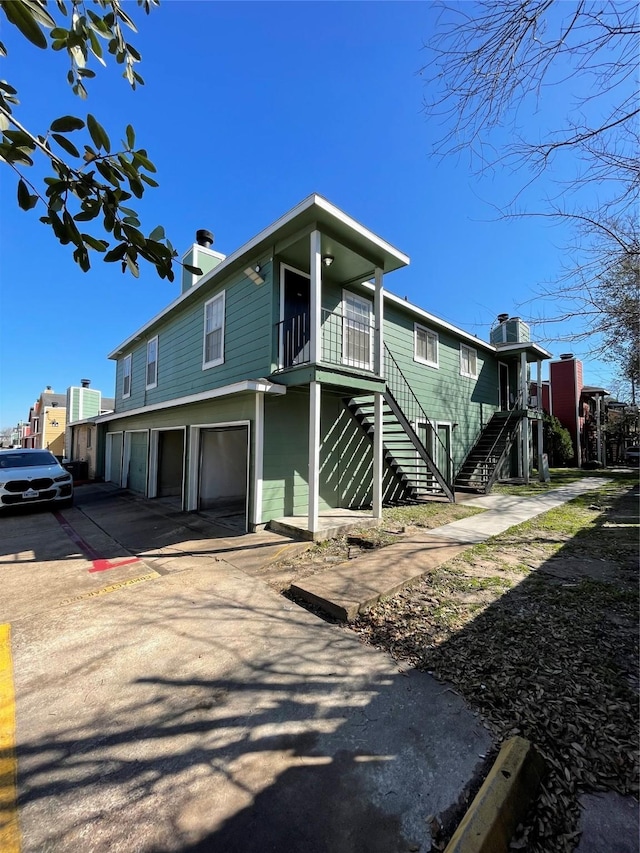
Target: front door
x,y
295,318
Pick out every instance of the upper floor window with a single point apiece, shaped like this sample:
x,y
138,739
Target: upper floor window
x,y
213,346
468,361
89,437
357,338
126,376
152,362
425,346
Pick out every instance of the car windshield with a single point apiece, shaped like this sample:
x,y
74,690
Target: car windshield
x,y
27,460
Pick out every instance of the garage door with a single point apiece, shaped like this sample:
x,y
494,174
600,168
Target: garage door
x,y
114,474
170,463
223,469
137,473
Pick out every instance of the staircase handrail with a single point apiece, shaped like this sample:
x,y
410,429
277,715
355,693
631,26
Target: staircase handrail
x,y
501,433
406,388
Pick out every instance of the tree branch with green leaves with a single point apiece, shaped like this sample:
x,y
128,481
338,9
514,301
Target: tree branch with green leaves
x,y
86,196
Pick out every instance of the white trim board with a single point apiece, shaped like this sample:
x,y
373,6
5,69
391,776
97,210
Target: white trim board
x,y
247,385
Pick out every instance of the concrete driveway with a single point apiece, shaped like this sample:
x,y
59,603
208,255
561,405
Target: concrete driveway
x,y
168,700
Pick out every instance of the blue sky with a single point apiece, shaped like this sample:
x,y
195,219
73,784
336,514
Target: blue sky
x,y
248,108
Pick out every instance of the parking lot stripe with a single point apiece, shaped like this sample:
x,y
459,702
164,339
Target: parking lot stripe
x,y
99,564
9,830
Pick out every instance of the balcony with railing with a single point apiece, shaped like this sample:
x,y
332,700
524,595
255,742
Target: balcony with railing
x,y
347,341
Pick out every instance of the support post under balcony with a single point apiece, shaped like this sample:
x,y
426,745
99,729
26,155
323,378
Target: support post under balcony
x,y
378,308
540,421
524,424
314,455
315,296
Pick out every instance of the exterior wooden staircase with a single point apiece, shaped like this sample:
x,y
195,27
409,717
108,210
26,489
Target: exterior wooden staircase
x,y
405,455
480,469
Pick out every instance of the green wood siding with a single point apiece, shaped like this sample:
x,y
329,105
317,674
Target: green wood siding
x,y
82,403
444,394
346,457
285,489
248,339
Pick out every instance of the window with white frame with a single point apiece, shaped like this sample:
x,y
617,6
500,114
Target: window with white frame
x,y
425,345
152,363
213,346
468,361
126,376
357,340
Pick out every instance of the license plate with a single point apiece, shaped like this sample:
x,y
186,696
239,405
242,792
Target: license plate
x,y
30,493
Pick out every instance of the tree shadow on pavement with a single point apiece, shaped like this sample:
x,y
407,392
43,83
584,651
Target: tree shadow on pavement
x,y
198,719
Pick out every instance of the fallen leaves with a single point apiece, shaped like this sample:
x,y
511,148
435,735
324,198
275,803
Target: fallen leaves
x,y
554,662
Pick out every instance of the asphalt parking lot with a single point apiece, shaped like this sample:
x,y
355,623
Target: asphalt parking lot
x,y
167,699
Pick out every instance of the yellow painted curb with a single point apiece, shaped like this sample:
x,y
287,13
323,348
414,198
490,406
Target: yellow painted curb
x,y
502,801
9,831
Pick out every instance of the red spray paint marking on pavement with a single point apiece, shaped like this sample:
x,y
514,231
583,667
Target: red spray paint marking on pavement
x,y
99,563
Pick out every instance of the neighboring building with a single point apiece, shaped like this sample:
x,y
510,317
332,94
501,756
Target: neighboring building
x,y
11,436
47,422
286,381
579,408
84,406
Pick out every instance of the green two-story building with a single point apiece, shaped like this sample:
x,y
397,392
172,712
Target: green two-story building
x,y
287,381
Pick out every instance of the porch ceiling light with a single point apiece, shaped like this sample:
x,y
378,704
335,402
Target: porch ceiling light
x,y
254,274
327,260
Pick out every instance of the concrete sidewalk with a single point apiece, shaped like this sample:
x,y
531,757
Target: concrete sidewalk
x,y
505,511
348,588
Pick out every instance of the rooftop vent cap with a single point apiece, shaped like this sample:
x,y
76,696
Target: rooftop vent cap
x,y
85,383
565,356
204,238
502,318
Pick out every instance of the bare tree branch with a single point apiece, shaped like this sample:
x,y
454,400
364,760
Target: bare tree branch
x,y
492,67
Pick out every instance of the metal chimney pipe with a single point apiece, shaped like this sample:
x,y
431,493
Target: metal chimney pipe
x,y
204,238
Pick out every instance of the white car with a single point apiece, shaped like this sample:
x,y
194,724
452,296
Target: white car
x,y
30,476
632,455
